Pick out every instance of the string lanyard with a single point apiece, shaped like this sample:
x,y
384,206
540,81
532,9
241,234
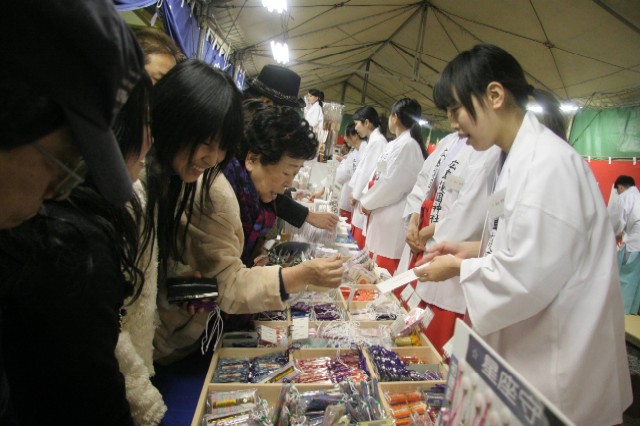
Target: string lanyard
x,y
492,221
214,331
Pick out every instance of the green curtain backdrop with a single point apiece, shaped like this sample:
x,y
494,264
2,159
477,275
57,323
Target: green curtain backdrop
x,y
611,132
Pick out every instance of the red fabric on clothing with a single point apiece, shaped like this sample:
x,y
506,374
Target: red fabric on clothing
x,y
360,239
441,327
425,213
384,262
347,214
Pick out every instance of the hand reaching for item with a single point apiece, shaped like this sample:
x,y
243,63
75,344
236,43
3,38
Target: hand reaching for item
x,y
322,220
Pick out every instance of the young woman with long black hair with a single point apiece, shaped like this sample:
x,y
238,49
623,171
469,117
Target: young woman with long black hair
x,y
542,285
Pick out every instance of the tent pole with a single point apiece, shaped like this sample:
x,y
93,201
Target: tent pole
x,y
366,82
420,42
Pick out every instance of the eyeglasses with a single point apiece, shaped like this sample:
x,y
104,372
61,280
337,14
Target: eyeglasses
x,y
75,176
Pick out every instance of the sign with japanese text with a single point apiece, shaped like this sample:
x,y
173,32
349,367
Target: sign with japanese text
x,y
477,374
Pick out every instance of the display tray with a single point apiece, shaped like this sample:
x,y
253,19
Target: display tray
x,y
428,354
359,306
268,392
345,290
385,387
264,316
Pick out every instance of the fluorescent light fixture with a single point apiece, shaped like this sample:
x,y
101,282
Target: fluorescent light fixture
x,y
277,5
423,122
280,52
534,108
568,107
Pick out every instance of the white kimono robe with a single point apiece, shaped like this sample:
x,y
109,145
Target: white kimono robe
x,y
314,115
547,296
425,188
462,197
395,173
344,172
360,178
624,212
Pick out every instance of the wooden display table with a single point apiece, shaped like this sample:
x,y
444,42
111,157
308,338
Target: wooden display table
x,y
632,329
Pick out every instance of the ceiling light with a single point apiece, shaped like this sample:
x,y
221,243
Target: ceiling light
x,y
277,5
423,122
534,108
568,107
280,52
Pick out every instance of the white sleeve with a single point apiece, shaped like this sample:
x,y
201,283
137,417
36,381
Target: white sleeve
x,y
419,192
314,115
345,169
466,217
616,214
397,180
366,166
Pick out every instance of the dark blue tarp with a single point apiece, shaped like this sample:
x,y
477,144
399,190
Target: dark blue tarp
x,y
124,5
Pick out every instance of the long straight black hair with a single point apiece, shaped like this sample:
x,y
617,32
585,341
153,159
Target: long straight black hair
x,y
194,103
469,74
408,112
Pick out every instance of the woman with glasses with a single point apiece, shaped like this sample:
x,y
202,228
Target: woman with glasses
x,y
66,274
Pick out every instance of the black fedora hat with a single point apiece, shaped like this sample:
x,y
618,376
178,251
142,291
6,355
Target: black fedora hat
x,y
277,83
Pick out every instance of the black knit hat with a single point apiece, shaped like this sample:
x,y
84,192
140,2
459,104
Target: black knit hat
x,y
81,56
277,83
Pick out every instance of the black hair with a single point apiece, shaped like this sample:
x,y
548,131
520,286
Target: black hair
x,y
193,104
26,115
273,131
129,129
469,74
367,113
351,129
319,94
408,112
626,181
134,117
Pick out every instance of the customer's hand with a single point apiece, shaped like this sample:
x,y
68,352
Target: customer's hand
x,y
324,272
322,220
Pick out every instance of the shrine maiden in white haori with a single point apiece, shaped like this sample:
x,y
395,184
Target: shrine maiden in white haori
x,y
360,178
546,294
395,174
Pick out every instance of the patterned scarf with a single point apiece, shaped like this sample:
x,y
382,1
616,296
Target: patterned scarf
x,y
257,217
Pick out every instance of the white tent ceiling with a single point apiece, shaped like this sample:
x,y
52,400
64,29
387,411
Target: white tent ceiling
x,y
375,52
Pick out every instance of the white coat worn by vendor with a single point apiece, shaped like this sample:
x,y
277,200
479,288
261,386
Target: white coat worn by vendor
x,y
545,293
395,174
461,185
367,126
347,168
624,211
